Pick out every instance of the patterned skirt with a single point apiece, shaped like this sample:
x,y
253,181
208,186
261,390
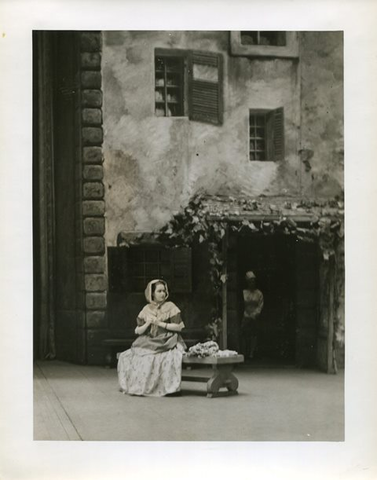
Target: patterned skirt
x,y
142,371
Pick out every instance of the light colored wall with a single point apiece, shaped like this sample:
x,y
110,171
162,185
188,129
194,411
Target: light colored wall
x,y
153,165
321,64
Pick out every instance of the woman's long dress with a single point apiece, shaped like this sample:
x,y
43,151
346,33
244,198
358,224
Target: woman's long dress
x,y
153,364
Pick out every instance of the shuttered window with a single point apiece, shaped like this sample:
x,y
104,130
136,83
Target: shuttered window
x,y
206,87
189,83
266,135
278,134
131,268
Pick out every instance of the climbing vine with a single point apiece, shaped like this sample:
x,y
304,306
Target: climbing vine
x,y
192,225
204,220
199,222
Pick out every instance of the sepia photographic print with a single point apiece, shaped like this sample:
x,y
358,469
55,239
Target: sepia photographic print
x,y
187,240
188,231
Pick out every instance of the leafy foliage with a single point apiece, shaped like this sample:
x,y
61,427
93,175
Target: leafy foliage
x,y
214,329
205,221
199,222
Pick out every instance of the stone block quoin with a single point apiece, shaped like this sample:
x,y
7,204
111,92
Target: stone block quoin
x,y
96,301
93,208
95,282
91,98
92,135
94,245
94,264
93,155
92,116
91,42
94,226
93,172
93,190
91,60
93,205
91,79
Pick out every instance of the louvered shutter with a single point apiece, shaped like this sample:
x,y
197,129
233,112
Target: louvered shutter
x,y
275,135
270,150
180,280
278,134
205,87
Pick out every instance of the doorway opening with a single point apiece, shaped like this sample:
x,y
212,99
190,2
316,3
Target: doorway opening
x,y
272,259
287,274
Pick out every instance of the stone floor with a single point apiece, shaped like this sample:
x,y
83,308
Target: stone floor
x,y
73,402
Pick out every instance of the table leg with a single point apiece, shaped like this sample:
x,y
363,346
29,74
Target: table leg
x,y
222,377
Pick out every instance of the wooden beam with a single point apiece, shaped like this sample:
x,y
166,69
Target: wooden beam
x,y
252,217
225,292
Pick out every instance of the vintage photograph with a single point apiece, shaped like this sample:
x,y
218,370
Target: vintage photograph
x,y
188,235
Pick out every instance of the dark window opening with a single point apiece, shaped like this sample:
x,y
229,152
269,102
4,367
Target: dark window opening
x,y
147,264
130,269
258,137
277,39
266,135
169,86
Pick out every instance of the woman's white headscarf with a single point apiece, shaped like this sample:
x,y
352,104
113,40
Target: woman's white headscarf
x,y
164,310
148,291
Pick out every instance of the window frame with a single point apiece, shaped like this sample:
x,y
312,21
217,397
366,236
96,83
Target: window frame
x,y
182,55
202,98
290,50
137,280
274,139
177,263
258,35
261,114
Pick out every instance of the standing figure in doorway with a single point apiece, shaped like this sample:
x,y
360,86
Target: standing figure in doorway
x,y
153,364
253,305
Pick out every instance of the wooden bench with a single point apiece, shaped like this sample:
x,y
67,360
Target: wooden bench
x,y
222,373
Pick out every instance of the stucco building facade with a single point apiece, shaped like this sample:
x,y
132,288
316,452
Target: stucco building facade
x,y
143,123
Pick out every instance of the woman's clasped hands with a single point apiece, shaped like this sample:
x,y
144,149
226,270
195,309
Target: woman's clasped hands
x,y
152,319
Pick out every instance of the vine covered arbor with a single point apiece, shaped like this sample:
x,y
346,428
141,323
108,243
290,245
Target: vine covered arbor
x,y
296,250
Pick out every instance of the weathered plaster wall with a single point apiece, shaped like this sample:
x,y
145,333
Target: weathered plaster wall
x,y
154,164
321,64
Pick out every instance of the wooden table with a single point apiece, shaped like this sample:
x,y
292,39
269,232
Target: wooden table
x,y
222,376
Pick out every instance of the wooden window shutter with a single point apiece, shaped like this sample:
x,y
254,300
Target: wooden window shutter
x,y
206,87
278,116
270,150
180,280
275,135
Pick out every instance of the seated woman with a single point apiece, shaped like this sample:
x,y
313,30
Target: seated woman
x,y
153,364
